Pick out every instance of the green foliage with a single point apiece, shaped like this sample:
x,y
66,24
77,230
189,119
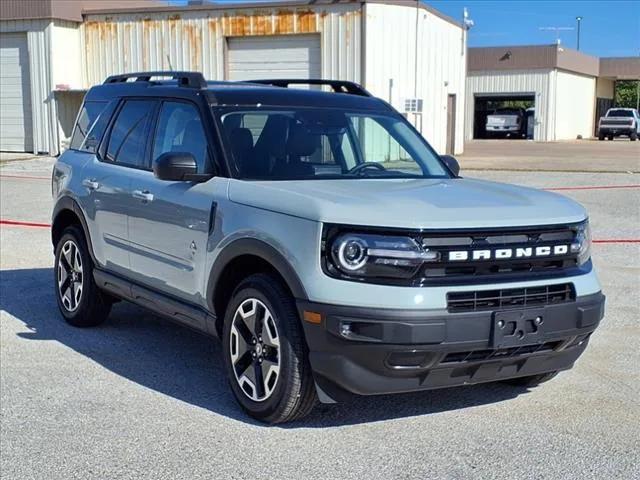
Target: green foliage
x,y
626,93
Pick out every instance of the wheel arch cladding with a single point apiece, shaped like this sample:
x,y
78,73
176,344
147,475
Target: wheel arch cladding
x,y
65,213
240,259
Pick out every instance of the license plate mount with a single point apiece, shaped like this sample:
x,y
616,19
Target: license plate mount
x,y
513,328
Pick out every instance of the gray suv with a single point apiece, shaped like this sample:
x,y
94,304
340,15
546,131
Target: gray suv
x,y
319,236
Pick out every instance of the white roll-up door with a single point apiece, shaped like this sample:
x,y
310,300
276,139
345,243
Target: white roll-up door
x,y
282,56
16,132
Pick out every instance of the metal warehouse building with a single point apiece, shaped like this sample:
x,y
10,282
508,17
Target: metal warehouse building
x,y
402,51
568,89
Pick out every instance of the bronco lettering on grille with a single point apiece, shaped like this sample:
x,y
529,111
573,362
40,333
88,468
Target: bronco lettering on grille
x,y
508,253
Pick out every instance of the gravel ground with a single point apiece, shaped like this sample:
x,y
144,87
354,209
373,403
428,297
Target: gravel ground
x,y
141,398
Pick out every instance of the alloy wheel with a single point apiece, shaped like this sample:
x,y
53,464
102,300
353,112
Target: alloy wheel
x,y
70,276
254,347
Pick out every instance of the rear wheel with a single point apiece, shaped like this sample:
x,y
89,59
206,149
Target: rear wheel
x,y
265,353
531,381
601,136
610,137
80,301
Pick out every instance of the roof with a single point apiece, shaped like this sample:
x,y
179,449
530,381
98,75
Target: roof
x,y
65,9
140,8
532,57
239,94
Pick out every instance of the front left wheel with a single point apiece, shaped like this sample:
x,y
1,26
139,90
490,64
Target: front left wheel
x,y
80,301
265,353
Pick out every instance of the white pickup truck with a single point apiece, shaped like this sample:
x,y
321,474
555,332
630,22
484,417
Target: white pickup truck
x,y
506,122
619,122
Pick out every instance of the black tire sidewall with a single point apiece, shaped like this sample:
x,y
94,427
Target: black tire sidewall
x,y
257,287
83,315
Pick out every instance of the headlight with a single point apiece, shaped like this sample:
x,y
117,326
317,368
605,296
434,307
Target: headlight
x,y
582,243
367,255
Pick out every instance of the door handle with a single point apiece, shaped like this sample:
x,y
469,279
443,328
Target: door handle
x,y
144,195
91,184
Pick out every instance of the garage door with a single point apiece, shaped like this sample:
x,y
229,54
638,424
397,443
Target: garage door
x,y
285,56
16,133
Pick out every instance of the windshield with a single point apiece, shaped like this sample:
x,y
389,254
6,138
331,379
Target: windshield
x,y
302,143
620,113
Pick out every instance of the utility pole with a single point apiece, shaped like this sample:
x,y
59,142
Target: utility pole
x,y
578,19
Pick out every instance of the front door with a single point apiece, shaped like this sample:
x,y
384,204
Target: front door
x,y
169,223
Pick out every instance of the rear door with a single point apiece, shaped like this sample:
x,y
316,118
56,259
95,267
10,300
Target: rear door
x,y
170,222
107,180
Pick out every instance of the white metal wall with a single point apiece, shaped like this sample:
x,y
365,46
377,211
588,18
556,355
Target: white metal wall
x,y
196,40
539,82
575,105
440,70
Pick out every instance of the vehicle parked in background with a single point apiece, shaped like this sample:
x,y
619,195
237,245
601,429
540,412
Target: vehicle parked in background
x,y
619,122
319,236
505,122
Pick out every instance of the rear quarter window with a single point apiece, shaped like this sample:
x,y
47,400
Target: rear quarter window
x,y
89,113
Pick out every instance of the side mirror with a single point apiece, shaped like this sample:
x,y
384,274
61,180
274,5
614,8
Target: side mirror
x,y
178,166
451,163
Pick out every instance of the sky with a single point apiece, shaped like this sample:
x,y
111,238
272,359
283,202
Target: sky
x,y
609,28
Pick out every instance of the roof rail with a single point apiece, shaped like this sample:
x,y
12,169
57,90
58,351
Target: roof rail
x,y
338,86
185,79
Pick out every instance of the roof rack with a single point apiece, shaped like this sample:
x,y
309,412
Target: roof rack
x,y
338,86
185,79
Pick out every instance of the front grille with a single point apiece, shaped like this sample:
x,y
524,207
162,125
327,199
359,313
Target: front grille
x,y
607,123
510,298
482,355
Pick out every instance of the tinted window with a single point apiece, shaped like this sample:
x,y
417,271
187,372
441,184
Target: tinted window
x,y
130,132
88,115
620,113
180,130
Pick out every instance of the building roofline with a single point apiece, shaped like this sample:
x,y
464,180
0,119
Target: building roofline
x,y
268,5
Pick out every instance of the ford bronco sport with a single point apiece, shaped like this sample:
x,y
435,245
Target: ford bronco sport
x,y
319,236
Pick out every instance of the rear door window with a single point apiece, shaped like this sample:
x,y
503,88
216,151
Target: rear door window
x,y
130,132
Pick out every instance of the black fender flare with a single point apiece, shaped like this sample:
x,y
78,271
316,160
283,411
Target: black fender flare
x,y
261,249
69,204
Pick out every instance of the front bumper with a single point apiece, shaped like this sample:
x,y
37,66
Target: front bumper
x,y
370,351
616,130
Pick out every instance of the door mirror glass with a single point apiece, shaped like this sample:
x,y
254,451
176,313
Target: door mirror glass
x,y
176,166
451,163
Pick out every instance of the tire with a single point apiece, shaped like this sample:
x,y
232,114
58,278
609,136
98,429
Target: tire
x,y
601,137
279,349
81,302
610,137
531,381
634,136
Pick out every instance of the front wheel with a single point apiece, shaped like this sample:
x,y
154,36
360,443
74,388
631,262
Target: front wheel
x,y
634,136
80,301
265,353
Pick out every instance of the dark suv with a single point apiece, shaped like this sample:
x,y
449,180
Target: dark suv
x,y
320,236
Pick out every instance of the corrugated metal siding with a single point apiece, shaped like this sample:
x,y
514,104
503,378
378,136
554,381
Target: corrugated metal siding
x,y
196,40
441,66
541,83
42,105
575,106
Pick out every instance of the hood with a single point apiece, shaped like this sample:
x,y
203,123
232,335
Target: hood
x,y
409,203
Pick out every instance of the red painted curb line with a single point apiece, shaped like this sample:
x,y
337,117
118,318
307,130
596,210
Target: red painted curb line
x,y
595,187
617,241
24,224
29,177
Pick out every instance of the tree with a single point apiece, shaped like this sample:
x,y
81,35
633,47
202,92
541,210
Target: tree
x,y
627,93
